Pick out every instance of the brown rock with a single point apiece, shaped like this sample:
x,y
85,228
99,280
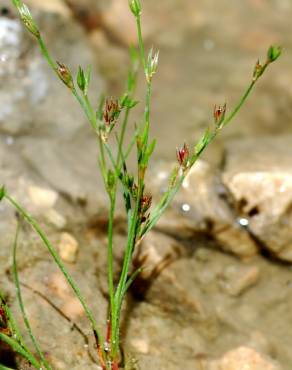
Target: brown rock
x,y
201,207
68,248
52,6
237,279
262,190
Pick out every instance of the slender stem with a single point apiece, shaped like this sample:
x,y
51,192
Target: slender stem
x,y
21,304
58,261
84,107
239,105
132,81
110,258
123,131
141,43
46,53
244,97
12,324
19,349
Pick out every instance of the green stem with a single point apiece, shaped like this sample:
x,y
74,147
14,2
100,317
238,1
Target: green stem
x,y
110,259
141,43
12,324
58,261
21,305
46,53
240,104
243,99
19,349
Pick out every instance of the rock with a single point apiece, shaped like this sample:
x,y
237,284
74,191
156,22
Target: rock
x,y
56,219
201,207
42,198
243,358
70,177
29,89
88,12
238,279
261,187
68,248
140,345
52,6
155,252
113,60
120,22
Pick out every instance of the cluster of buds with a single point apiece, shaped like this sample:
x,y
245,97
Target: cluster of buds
x,y
152,64
145,204
65,75
219,114
272,55
111,111
183,155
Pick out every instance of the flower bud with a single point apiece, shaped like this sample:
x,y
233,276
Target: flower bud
x,y
27,19
219,114
146,202
81,82
273,53
65,75
152,64
135,7
258,70
111,111
182,155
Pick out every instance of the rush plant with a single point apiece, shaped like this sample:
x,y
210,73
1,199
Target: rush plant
x,y
110,122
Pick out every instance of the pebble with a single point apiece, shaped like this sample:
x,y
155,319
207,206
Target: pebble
x,y
243,358
42,197
68,248
140,345
56,219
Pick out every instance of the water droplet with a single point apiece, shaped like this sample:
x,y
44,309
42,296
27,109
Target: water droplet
x,y
243,221
186,207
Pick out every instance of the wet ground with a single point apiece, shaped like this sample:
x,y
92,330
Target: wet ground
x,y
205,302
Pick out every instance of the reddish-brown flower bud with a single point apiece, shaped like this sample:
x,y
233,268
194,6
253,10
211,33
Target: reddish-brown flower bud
x,y
111,111
146,202
219,113
65,75
258,70
182,155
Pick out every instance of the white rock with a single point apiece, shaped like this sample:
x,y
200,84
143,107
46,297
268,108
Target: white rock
x,y
42,197
243,358
56,219
261,187
68,248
